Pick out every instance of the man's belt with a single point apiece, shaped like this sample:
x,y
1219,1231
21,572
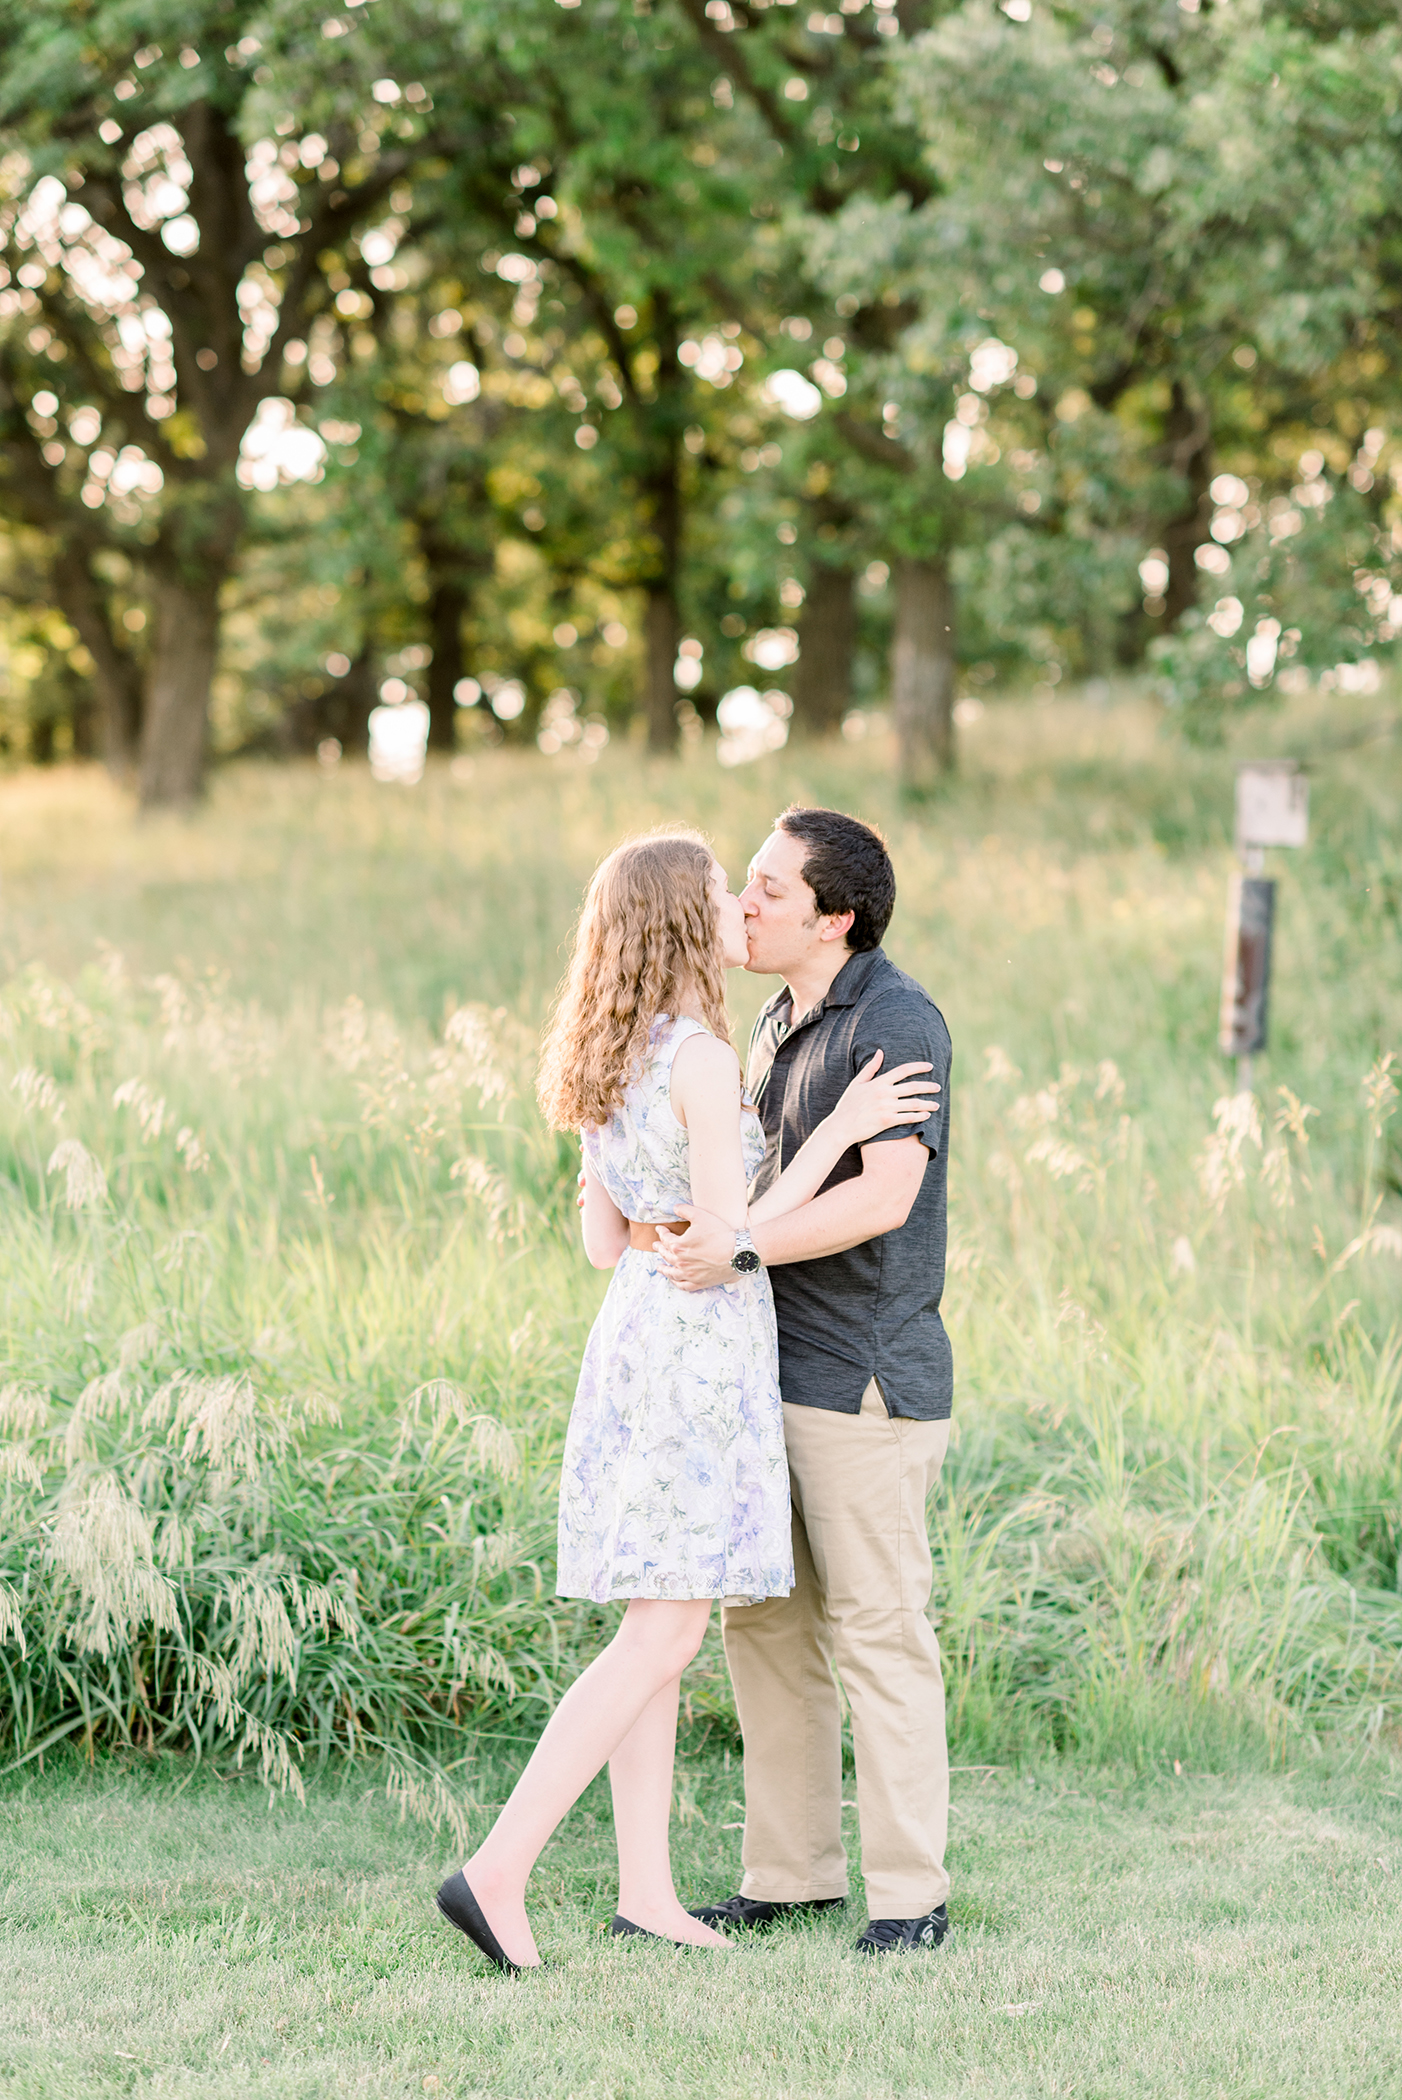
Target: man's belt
x,y
644,1237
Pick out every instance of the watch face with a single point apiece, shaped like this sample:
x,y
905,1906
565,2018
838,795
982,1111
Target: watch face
x,y
745,1262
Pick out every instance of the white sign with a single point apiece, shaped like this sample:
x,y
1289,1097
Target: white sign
x,y
1272,804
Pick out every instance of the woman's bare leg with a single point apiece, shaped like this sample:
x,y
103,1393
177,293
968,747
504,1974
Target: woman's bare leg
x,y
651,1648
640,1774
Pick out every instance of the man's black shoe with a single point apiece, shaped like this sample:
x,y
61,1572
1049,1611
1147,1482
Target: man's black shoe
x,y
900,1935
745,1914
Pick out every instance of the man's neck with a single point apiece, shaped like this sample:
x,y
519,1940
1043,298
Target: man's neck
x,y
808,986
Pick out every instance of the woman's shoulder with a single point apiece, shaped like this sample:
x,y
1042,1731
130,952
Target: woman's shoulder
x,y
701,1058
670,1034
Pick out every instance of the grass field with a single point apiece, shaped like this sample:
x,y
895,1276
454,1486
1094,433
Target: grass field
x,y
1170,1939
290,1307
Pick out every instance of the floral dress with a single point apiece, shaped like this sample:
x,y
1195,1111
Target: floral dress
x,y
675,1481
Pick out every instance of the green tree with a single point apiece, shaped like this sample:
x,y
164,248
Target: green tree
x,y
170,271
1189,228
823,86
592,174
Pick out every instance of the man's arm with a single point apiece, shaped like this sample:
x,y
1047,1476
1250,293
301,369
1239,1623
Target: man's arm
x,y
877,1200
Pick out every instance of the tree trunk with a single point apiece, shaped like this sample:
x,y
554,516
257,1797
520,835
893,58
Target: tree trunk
x,y
1188,447
662,625
446,609
85,724
116,673
350,703
827,632
175,732
922,673
663,630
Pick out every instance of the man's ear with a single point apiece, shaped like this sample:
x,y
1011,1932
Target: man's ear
x,y
837,925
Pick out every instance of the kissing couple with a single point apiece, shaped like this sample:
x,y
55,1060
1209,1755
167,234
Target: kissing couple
x,y
764,1402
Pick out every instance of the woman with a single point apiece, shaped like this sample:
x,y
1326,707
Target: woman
x,y
675,1484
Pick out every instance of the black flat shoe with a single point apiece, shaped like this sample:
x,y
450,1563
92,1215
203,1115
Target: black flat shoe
x,y
461,1908
624,1929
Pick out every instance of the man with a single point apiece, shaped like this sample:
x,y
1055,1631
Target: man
x,y
867,1377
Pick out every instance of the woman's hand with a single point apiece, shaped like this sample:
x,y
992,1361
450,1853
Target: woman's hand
x,y
877,1101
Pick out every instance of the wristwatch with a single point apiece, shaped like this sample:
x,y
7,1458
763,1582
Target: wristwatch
x,y
745,1260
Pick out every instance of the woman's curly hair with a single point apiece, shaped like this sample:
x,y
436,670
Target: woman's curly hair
x,y
648,930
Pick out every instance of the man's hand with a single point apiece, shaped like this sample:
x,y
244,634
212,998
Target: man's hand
x,y
698,1259
876,1201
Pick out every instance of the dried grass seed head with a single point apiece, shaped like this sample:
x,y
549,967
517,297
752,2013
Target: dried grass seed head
x,y
85,1183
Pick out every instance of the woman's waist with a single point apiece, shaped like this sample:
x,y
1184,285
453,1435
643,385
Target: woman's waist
x,y
644,1234
639,1269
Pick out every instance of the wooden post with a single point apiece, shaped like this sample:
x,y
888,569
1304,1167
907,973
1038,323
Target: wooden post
x,y
1246,971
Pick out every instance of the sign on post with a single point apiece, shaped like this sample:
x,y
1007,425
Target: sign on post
x,y
1272,809
1272,805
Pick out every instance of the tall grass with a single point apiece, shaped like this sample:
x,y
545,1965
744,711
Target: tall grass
x,y
291,1300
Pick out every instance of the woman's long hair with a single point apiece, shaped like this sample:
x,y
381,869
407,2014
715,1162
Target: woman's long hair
x,y
648,931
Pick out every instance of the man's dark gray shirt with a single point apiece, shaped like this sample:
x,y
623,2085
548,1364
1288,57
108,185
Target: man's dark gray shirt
x,y
873,1312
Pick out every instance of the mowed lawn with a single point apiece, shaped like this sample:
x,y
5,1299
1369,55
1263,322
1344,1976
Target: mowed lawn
x,y
1188,1937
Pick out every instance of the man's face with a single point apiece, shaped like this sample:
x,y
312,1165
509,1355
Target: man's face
x,y
781,912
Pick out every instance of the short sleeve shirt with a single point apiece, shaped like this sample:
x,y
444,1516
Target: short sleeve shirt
x,y
873,1311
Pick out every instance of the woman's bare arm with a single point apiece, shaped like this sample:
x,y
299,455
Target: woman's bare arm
x,y
706,1099
605,1227
874,1101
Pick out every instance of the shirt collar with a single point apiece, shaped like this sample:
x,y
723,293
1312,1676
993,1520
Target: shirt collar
x,y
845,990
851,980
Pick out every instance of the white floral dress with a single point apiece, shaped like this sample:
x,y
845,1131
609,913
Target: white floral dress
x,y
675,1481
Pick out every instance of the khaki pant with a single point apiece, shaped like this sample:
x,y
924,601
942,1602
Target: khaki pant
x,y
862,1576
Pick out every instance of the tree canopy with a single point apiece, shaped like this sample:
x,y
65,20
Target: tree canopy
x,y
596,359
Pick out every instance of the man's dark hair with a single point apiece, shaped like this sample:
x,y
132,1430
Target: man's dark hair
x,y
847,868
